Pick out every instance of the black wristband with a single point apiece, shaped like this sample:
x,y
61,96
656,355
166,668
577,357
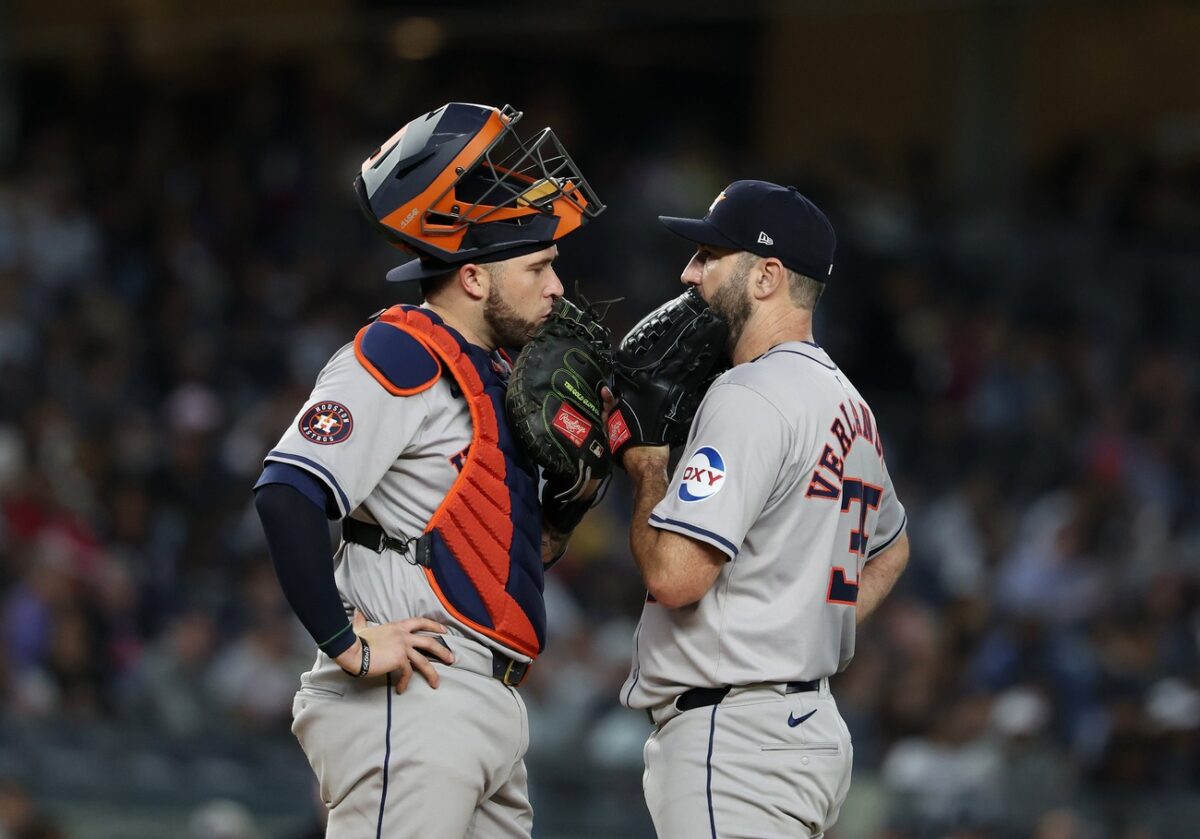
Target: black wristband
x,y
366,658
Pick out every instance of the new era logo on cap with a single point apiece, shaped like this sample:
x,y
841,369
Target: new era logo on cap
x,y
801,236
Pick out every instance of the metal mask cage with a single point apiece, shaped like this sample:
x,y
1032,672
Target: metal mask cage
x,y
513,173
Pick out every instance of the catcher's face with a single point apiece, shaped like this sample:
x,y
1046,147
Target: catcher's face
x,y
520,296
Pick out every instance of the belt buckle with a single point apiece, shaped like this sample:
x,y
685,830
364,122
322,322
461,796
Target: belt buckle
x,y
506,678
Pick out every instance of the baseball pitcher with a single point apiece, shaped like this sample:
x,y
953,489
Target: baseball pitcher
x,y
779,531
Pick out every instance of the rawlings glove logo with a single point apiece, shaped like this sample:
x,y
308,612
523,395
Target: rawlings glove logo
x,y
618,430
571,423
703,476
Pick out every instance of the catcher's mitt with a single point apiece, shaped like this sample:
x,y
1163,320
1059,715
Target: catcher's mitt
x,y
663,368
554,402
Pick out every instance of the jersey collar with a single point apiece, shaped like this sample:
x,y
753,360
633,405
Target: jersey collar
x,y
808,349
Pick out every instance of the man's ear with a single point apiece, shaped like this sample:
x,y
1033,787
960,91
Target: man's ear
x,y
474,280
769,276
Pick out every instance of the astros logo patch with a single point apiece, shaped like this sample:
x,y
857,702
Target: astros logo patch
x,y
703,476
326,423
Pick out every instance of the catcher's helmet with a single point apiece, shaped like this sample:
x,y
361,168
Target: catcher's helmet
x,y
458,185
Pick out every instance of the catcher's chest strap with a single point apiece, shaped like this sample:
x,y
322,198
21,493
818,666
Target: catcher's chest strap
x,y
485,556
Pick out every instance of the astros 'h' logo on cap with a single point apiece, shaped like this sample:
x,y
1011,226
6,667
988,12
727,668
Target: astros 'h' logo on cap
x,y
716,201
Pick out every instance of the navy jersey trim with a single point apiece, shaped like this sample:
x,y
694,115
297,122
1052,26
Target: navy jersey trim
x,y
637,658
387,757
885,545
301,480
804,355
318,469
716,540
712,730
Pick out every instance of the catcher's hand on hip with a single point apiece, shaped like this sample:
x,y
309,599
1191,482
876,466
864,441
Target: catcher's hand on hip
x,y
662,369
556,400
396,647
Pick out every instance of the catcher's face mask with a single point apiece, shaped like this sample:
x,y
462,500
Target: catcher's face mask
x,y
458,184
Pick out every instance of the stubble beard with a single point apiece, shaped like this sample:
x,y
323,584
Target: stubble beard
x,y
732,305
508,327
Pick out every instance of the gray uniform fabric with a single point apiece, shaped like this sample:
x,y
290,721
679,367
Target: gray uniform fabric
x,y
783,471
426,763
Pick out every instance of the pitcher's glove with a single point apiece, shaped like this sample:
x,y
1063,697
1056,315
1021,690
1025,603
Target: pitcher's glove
x,y
662,370
554,400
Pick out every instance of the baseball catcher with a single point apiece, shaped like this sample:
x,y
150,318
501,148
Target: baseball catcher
x,y
430,613
662,370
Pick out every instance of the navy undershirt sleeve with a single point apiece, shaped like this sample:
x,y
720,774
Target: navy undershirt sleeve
x,y
298,540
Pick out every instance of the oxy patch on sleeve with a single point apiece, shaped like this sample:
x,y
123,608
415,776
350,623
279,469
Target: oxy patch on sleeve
x,y
704,475
396,358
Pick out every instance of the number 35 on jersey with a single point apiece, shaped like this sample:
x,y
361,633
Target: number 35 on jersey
x,y
858,498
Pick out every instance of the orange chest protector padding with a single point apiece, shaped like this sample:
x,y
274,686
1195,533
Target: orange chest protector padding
x,y
483,557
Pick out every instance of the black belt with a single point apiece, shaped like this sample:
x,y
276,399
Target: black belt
x,y
702,697
508,670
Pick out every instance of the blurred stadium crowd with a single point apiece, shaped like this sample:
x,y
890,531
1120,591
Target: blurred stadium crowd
x,y
175,266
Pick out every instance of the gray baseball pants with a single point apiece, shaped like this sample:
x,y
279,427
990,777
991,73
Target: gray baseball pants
x,y
760,763
425,764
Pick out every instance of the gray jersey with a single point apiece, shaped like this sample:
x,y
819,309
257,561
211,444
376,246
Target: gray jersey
x,y
784,473
386,459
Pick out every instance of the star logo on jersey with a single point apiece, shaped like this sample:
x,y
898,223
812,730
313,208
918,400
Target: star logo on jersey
x,y
703,476
326,423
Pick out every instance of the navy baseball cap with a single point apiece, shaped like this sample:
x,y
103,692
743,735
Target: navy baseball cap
x,y
767,220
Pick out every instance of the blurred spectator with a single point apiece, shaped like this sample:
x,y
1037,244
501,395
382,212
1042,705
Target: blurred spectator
x,y
172,686
255,678
20,818
222,819
949,779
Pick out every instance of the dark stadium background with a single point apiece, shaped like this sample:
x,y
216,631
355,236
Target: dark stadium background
x,y
1016,189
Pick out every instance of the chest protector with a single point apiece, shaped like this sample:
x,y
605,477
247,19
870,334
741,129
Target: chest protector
x,y
482,549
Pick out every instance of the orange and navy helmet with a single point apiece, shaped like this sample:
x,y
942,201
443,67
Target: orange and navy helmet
x,y
459,185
